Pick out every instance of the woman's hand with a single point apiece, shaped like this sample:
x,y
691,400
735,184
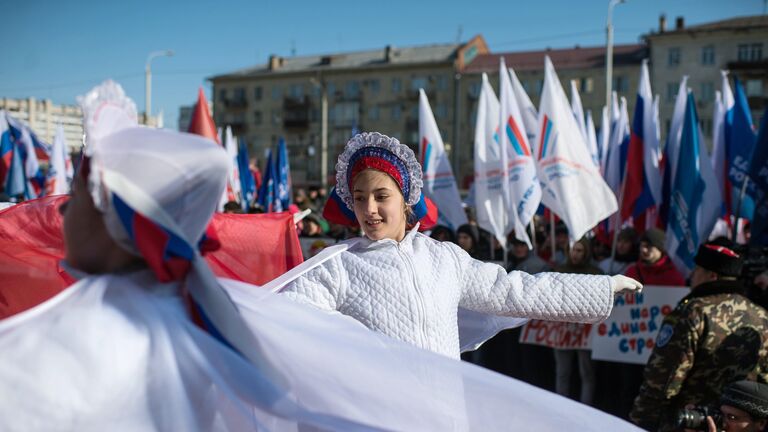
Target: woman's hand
x,y
621,283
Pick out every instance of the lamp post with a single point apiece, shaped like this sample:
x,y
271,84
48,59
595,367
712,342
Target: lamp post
x,y
609,52
148,80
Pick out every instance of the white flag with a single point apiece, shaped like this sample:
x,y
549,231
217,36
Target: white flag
x,y
61,164
618,147
592,140
605,137
491,186
724,101
527,110
676,130
439,182
578,110
233,189
524,187
573,187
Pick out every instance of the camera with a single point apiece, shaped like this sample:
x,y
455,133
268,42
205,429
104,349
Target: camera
x,y
696,418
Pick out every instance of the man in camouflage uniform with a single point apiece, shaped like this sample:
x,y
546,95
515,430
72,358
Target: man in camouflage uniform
x,y
714,337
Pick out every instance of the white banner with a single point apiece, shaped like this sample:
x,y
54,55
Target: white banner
x,y
629,334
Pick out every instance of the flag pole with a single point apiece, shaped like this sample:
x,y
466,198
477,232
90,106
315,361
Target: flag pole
x,y
533,234
552,233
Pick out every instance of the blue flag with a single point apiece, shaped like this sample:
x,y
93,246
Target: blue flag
x,y
695,196
247,184
15,181
283,178
739,144
758,174
266,197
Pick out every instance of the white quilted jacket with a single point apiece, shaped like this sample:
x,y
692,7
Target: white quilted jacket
x,y
412,290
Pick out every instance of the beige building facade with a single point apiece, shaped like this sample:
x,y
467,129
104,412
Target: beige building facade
x,y
368,90
378,89
739,45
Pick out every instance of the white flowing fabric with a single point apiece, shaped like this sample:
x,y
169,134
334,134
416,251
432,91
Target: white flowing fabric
x,y
118,353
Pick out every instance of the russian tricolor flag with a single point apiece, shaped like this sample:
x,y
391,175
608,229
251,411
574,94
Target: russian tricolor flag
x,y
642,189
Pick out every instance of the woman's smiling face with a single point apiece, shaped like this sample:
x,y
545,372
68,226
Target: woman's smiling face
x,y
379,205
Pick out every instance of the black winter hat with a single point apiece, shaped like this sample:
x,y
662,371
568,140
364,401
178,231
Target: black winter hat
x,y
749,396
656,238
719,259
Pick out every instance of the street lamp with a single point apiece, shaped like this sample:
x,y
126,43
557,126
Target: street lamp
x,y
320,82
609,52
148,80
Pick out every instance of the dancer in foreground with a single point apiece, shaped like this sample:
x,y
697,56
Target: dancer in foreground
x,y
404,284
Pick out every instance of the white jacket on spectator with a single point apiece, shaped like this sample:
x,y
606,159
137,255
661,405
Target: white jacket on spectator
x,y
412,290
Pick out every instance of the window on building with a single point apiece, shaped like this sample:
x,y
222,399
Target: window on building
x,y
539,86
414,112
708,55
526,86
239,94
257,93
419,82
223,94
586,85
331,89
396,112
397,85
673,58
277,93
620,83
441,111
296,91
257,117
474,89
374,86
750,52
441,82
373,113
352,89
672,91
707,91
754,87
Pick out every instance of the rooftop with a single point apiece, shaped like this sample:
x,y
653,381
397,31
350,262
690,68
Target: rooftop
x,y
570,58
389,55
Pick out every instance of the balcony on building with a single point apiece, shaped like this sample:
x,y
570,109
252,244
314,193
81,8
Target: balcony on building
x,y
296,112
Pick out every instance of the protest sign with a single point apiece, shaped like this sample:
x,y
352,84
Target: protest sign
x,y
629,334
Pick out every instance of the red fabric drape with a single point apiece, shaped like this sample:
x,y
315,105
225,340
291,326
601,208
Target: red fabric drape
x,y
254,249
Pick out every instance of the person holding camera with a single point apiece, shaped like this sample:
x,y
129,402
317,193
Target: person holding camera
x,y
743,408
714,336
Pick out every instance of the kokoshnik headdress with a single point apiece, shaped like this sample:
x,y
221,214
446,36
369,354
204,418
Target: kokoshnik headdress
x,y
372,150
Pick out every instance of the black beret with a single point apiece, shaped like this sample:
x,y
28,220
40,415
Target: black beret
x,y
719,259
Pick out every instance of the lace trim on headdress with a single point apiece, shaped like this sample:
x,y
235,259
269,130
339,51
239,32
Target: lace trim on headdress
x,y
414,182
